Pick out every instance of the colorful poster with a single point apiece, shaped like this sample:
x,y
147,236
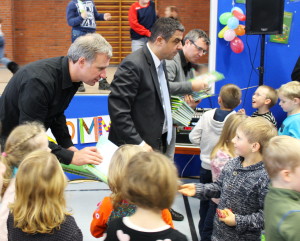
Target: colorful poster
x,y
91,128
72,126
284,37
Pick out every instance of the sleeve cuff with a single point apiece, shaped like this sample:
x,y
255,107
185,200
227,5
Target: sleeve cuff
x,y
63,155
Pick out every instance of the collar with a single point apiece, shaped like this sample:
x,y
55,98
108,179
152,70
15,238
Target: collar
x,y
66,77
14,173
282,192
186,66
156,60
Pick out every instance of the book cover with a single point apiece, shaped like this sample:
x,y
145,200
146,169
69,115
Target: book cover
x,y
107,149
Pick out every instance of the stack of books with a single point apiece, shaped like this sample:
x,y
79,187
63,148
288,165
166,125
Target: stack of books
x,y
182,113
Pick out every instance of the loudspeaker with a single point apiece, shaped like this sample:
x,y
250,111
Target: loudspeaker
x,y
264,16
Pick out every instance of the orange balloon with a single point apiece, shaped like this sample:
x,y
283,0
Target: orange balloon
x,y
240,30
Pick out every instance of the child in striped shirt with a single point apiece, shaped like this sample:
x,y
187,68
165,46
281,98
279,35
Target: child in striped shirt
x,y
263,99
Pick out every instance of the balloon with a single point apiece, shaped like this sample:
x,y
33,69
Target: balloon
x,y
224,17
237,45
237,9
232,22
229,35
240,30
240,16
221,33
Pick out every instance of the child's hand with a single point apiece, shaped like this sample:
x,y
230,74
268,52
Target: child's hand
x,y
191,102
187,189
241,111
84,14
229,218
107,16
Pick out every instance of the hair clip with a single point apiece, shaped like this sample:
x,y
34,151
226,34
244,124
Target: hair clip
x,y
4,154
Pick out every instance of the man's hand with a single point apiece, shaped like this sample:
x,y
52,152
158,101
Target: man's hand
x,y
229,218
107,16
87,155
188,189
72,148
241,111
199,84
147,147
84,14
191,102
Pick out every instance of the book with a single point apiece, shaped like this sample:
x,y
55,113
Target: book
x,y
210,77
95,172
107,149
78,170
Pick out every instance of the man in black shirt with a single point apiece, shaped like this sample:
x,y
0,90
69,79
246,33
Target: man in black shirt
x,y
42,90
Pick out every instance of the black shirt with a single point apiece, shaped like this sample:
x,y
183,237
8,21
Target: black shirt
x,y
40,91
117,229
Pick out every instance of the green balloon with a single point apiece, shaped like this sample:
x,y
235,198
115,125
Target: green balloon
x,y
224,17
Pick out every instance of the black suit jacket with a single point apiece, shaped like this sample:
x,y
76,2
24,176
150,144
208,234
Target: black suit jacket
x,y
135,104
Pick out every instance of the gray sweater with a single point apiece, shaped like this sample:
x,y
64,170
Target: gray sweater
x,y
243,190
178,79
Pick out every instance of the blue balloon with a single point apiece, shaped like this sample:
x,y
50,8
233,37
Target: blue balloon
x,y
233,23
238,9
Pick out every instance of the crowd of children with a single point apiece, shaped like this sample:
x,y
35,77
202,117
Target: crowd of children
x,y
239,159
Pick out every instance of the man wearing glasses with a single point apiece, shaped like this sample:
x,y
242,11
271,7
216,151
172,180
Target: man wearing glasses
x,y
195,45
180,70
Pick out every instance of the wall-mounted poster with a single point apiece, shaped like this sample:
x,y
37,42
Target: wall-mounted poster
x,y
284,37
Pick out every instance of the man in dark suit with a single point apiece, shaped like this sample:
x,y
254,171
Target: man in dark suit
x,y
136,104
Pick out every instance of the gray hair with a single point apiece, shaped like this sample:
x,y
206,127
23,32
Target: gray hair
x,y
195,34
165,27
88,46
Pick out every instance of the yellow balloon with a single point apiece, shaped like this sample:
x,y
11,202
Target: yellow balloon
x,y
221,33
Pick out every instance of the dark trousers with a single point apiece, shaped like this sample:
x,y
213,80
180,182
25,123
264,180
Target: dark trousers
x,y
209,222
163,143
77,33
205,177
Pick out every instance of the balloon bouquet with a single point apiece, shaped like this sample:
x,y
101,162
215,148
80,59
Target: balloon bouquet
x,y
233,28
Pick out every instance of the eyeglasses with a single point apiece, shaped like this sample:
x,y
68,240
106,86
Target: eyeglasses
x,y
201,50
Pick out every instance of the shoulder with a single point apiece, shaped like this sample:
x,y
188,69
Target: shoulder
x,y
209,113
177,236
71,4
174,62
134,6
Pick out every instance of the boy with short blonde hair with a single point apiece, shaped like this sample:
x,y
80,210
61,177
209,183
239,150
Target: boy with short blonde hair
x,y
282,206
242,185
289,95
207,132
263,99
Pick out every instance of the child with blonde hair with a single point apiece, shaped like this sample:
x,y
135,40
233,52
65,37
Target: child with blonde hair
x,y
39,211
282,206
22,140
263,99
150,183
115,205
220,155
206,134
242,185
289,95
